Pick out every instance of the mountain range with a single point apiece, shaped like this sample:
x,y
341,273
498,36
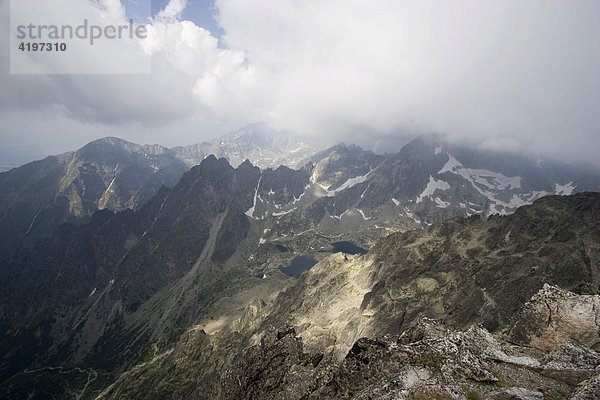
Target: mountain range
x,y
126,275
114,174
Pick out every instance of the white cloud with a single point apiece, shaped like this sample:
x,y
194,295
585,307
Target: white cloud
x,y
181,54
172,10
114,10
502,72
521,70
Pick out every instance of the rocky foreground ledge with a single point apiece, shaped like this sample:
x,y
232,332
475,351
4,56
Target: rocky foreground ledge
x,y
433,361
548,353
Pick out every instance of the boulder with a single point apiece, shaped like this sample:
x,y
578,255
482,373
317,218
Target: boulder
x,y
554,316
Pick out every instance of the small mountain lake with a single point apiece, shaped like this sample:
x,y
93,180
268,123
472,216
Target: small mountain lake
x,y
298,265
281,248
347,247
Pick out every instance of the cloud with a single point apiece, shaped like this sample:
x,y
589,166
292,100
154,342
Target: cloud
x,y
525,70
181,53
172,10
496,72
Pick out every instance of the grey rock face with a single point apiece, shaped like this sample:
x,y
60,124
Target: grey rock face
x,y
554,316
589,391
428,361
109,173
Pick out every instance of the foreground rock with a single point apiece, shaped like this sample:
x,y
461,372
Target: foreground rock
x,y
590,390
554,316
428,361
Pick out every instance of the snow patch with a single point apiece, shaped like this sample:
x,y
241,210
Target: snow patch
x,y
431,187
328,193
396,202
303,232
340,216
363,215
281,213
346,185
93,291
450,165
365,191
440,203
489,183
411,216
250,211
437,150
262,241
109,188
298,199
492,180
564,190
481,177
354,181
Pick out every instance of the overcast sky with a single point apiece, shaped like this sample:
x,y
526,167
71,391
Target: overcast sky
x,y
522,74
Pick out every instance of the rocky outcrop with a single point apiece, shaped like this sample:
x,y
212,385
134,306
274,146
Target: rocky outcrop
x,y
590,390
554,316
429,360
277,367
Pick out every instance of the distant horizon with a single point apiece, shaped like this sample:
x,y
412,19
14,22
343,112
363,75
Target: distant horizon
x,y
514,75
21,154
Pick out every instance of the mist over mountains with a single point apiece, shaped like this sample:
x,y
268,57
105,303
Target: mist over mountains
x,y
501,73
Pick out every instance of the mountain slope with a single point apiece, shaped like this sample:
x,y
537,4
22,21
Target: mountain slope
x,y
261,145
350,195
460,270
349,319
93,296
109,173
115,174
